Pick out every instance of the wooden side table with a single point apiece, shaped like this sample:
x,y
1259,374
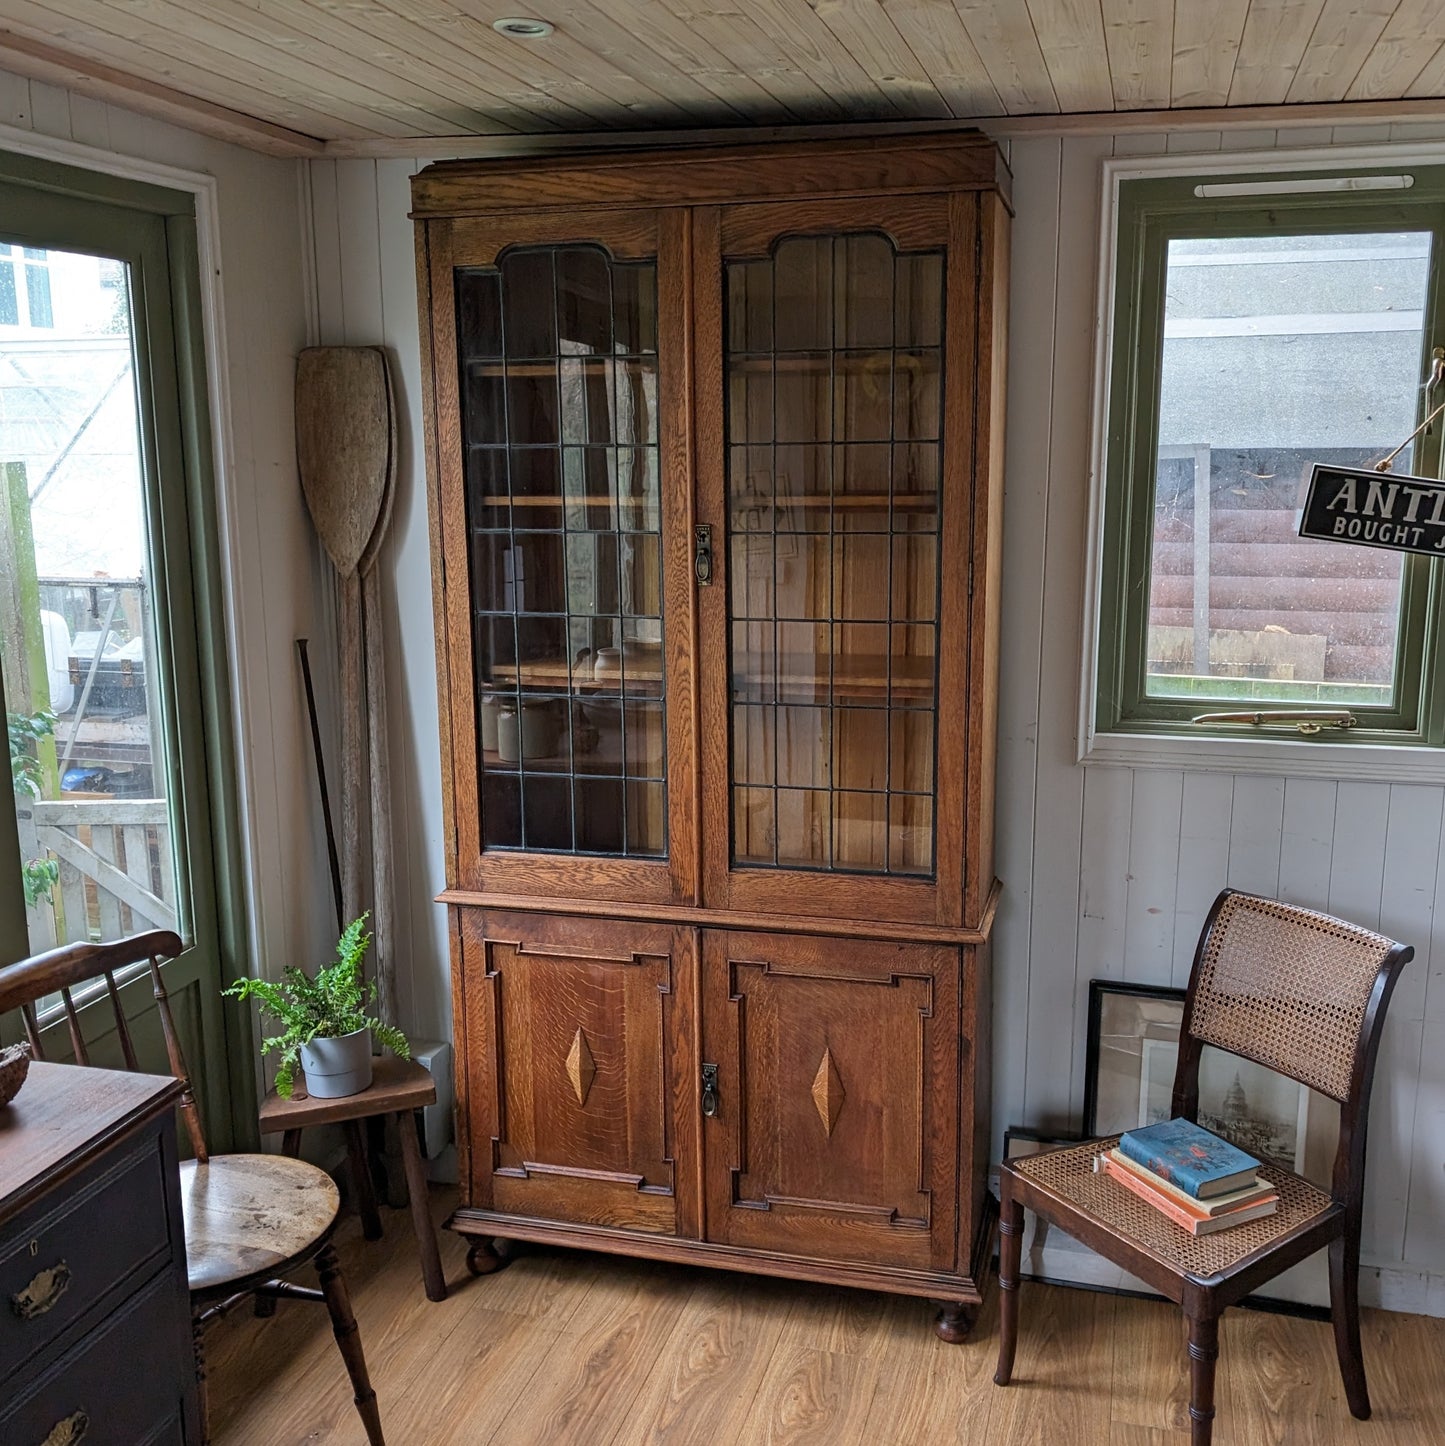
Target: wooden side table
x,y
399,1088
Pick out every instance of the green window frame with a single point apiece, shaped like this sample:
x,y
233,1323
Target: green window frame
x,y
1151,212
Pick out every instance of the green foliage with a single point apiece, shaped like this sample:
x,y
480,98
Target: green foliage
x,y
40,876
334,1003
25,732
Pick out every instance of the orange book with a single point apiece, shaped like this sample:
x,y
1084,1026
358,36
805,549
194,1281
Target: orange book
x,y
1216,1205
1195,1224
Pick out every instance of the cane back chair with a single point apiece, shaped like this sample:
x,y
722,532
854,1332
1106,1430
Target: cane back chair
x,y
1303,994
249,1219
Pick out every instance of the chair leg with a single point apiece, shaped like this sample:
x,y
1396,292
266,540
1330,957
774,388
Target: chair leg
x,y
1010,1255
343,1325
1203,1353
1345,1314
202,1403
422,1223
362,1182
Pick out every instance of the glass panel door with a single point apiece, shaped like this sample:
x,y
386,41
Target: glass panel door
x,y
89,752
834,362
558,355
111,650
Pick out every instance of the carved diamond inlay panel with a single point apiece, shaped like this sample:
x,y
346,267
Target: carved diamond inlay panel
x,y
828,1091
581,1069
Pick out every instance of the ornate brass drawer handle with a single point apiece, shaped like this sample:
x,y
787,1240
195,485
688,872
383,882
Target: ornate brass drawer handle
x,y
41,1295
68,1431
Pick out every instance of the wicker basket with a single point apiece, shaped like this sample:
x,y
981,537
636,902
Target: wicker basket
x,y
14,1066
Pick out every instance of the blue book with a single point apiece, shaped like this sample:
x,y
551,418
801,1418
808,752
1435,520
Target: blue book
x,y
1190,1157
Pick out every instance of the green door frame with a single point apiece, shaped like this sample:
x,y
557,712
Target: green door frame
x,y
152,229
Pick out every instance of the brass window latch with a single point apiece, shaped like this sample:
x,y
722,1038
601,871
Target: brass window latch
x,y
1301,720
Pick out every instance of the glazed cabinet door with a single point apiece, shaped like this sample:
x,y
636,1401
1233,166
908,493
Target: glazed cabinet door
x,y
578,1070
562,445
836,464
835,1134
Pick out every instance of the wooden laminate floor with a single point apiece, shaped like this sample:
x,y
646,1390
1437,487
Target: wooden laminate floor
x,y
602,1351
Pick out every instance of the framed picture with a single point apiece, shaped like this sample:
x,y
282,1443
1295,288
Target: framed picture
x,y
1020,1141
1133,1049
1040,1257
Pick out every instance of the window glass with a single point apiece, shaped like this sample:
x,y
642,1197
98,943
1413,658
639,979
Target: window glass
x,y
834,415
37,293
1278,351
559,383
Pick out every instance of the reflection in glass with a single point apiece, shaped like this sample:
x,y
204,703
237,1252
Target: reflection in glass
x,y
558,356
1279,351
90,765
834,402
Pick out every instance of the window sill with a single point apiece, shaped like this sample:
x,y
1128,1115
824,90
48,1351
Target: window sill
x,y
1291,757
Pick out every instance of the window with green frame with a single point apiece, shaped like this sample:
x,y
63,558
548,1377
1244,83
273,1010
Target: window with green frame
x,y
1261,324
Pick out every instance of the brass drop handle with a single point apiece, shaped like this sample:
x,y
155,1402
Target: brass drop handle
x,y
43,1291
709,1090
69,1431
702,554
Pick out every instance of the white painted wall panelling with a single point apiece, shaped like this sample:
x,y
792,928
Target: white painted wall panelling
x,y
1108,871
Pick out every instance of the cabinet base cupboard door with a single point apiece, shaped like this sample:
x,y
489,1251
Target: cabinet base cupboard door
x,y
715,456
836,1132
571,1067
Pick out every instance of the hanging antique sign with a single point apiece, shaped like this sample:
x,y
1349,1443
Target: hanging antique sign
x,y
1375,509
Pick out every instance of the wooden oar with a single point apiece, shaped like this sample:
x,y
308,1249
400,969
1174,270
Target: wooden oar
x,y
346,455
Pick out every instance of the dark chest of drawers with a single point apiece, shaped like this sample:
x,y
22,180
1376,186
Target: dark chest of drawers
x,y
95,1336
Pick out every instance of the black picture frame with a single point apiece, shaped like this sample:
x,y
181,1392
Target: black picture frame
x,y
1098,989
1025,1134
1268,1114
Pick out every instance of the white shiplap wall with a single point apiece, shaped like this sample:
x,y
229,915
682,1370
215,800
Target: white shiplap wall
x,y
359,249
272,553
1108,871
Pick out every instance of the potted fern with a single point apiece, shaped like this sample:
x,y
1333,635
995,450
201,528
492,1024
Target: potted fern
x,y
327,1029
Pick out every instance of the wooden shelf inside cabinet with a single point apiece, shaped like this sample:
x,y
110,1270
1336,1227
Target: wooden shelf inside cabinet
x,y
604,761
859,362
910,502
557,674
588,499
853,675
547,366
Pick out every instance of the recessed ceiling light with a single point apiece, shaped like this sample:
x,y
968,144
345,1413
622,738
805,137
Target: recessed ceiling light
x,y
523,29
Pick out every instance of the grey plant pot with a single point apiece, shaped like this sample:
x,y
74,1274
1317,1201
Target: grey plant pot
x,y
337,1067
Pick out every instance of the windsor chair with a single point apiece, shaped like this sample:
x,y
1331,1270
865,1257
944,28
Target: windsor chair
x,y
250,1220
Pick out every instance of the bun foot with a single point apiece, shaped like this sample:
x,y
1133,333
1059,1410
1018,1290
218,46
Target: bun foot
x,y
955,1321
482,1258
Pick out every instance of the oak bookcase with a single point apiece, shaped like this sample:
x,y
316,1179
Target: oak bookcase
x,y
715,454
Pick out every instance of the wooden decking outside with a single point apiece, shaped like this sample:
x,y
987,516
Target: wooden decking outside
x,y
602,1351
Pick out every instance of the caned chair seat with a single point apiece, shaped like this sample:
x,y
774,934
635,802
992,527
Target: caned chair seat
x,y
1070,1179
249,1215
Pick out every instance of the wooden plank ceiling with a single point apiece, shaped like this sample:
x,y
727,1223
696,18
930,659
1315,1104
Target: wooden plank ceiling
x,y
360,71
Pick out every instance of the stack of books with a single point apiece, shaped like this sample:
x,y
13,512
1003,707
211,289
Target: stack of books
x,y
1198,1180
